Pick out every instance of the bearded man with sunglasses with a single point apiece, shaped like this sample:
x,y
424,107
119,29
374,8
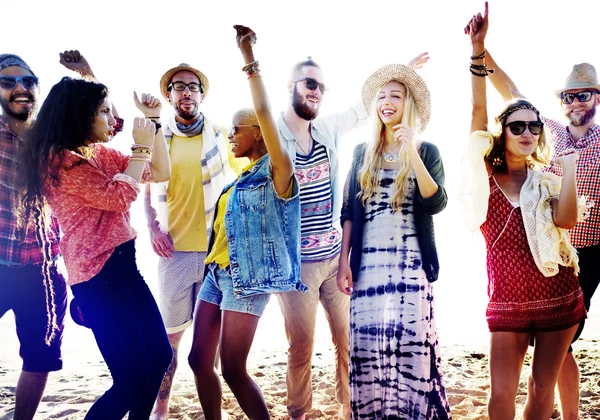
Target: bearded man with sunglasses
x,y
180,212
579,98
38,306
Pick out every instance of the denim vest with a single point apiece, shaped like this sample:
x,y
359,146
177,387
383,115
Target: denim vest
x,y
263,234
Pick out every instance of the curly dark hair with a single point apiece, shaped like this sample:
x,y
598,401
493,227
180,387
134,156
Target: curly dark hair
x,y
64,122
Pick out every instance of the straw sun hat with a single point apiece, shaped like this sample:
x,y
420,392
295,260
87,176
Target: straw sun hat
x,y
165,80
582,76
409,78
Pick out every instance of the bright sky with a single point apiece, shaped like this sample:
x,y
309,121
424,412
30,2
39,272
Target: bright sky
x,y
130,44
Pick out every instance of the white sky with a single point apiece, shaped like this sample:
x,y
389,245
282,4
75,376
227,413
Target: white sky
x,y
131,43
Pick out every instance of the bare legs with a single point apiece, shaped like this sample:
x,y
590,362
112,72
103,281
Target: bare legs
x,y
507,352
237,332
161,407
28,395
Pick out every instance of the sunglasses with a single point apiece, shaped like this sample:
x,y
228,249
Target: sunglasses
x,y
180,86
10,82
236,128
313,84
518,127
568,98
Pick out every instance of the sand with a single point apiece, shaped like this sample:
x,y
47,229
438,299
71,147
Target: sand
x,y
84,378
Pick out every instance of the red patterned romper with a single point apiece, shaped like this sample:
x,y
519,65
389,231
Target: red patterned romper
x,y
521,299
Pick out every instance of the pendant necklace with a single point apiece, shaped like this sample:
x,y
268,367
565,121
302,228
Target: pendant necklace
x,y
390,157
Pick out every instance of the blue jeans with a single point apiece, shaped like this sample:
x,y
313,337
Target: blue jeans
x,y
122,313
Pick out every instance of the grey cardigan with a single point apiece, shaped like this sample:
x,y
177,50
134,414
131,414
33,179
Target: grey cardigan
x,y
424,209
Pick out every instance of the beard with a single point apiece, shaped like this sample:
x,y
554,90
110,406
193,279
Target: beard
x,y
301,108
187,115
578,121
22,116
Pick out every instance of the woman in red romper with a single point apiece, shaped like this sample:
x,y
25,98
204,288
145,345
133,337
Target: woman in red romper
x,y
525,297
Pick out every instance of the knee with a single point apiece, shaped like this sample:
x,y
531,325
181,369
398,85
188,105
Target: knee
x,y
541,384
200,364
502,400
233,373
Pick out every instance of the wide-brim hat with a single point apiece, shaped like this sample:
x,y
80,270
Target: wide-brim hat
x,y
583,76
166,78
409,78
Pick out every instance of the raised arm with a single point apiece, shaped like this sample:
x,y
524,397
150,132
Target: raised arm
x,y
75,61
501,81
281,163
477,30
160,165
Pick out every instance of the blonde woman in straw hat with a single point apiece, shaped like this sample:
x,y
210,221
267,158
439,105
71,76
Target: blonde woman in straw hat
x,y
395,186
523,214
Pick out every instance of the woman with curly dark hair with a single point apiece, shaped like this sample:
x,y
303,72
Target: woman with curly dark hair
x,y
90,188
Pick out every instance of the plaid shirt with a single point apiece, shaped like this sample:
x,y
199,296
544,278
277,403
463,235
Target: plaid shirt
x,y
18,246
588,175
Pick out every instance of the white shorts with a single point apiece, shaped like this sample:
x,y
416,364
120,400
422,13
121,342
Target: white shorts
x,y
179,281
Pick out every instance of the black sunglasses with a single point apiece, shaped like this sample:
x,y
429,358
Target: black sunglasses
x,y
313,84
518,127
180,86
584,96
10,82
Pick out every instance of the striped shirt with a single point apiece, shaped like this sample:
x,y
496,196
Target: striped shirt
x,y
320,240
586,233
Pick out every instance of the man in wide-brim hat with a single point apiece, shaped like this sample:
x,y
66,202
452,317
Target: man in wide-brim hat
x,y
579,98
180,213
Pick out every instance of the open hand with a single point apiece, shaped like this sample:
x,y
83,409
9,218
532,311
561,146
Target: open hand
x,y
417,62
73,60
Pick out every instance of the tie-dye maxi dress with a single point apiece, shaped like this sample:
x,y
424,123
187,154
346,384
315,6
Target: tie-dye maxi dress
x,y
395,364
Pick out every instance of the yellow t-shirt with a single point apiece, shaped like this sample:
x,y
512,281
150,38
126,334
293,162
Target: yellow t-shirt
x,y
185,195
220,250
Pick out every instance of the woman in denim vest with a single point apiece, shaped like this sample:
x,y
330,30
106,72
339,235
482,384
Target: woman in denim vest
x,y
254,250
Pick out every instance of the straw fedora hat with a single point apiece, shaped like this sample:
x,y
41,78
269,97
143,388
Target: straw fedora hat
x,y
583,76
166,78
409,78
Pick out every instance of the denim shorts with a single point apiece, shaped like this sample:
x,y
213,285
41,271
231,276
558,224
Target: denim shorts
x,y
218,290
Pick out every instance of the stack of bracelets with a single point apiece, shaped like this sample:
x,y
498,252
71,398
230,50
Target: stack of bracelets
x,y
141,152
480,70
252,69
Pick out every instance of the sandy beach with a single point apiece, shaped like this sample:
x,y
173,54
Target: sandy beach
x,y
460,310
84,378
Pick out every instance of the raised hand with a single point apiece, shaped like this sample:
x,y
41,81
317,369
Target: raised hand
x,y
567,159
149,105
244,36
403,134
73,60
143,131
417,62
478,26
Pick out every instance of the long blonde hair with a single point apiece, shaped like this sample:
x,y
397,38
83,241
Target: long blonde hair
x,y
373,158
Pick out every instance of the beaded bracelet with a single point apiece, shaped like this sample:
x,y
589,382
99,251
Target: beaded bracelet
x,y
478,57
142,146
142,151
251,68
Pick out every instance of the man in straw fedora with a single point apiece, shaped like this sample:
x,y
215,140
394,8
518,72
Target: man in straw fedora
x,y
313,143
180,212
579,98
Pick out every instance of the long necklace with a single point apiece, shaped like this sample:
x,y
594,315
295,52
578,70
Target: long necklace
x,y
390,157
301,148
